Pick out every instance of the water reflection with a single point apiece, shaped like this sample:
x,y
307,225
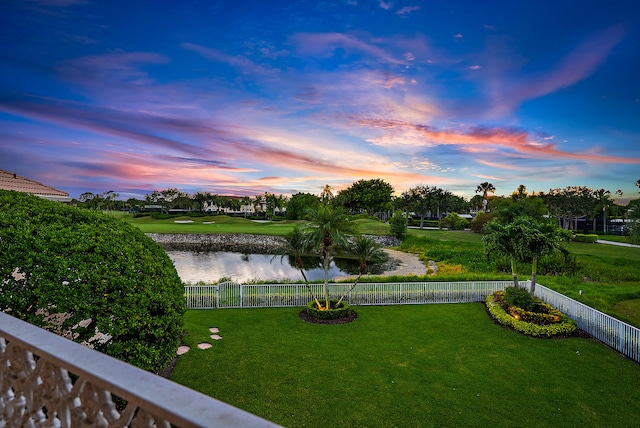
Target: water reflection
x,y
210,266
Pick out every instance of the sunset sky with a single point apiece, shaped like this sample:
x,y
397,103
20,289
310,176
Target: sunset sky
x,y
242,97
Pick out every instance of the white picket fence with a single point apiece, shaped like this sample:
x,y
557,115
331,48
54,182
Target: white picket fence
x,y
619,335
232,295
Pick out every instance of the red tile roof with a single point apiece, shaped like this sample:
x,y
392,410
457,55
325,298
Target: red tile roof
x,y
11,181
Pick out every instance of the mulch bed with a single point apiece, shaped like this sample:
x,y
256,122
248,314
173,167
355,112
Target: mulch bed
x,y
304,316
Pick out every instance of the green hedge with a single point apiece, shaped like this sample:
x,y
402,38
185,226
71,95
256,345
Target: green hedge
x,y
566,326
97,272
579,237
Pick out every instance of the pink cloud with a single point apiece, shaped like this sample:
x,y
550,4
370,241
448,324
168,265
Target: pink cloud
x,y
511,138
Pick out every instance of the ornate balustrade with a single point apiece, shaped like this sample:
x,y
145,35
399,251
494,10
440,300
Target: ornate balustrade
x,y
49,381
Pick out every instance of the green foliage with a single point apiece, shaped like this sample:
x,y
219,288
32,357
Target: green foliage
x,y
300,204
343,310
162,216
590,238
99,273
454,222
370,196
565,327
519,297
480,220
398,224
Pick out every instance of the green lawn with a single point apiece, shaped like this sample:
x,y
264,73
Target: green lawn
x,y
226,224
444,365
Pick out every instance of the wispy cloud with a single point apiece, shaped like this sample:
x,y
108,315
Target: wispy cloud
x,y
324,45
402,133
406,10
509,90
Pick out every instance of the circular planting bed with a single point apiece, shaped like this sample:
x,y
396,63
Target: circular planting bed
x,y
541,321
342,314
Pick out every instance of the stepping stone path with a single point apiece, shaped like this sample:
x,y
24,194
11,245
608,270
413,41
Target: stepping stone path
x,y
215,336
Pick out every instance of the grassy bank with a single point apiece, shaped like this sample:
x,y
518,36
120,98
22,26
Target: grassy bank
x,y
424,365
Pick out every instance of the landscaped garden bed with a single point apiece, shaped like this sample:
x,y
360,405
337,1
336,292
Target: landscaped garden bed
x,y
528,315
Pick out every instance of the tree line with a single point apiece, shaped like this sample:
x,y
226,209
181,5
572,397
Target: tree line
x,y
375,197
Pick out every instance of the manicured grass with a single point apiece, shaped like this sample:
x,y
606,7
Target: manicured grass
x,y
226,224
418,365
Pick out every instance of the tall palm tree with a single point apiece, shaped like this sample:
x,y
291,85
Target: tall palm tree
x,y
485,188
328,229
295,247
326,194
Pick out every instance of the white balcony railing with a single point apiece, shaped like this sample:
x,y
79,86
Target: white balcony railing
x,y
50,381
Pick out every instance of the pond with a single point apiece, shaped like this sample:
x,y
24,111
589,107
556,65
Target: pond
x,y
210,266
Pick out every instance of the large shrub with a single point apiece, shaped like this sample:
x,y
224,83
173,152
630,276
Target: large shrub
x,y
454,222
90,277
398,223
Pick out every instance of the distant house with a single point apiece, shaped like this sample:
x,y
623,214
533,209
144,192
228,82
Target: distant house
x,y
11,181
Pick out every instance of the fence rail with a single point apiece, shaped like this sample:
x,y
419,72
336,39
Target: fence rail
x,y
620,336
233,295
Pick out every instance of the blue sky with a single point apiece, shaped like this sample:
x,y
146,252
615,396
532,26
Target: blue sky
x,y
243,97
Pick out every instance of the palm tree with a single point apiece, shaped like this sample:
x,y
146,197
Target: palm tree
x,y
326,194
505,240
485,188
294,247
540,239
365,250
328,229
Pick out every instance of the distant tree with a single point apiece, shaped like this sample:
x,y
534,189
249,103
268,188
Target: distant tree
x,y
485,188
520,193
327,194
398,224
370,196
420,200
257,202
300,205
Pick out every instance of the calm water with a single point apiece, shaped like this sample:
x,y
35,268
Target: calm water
x,y
210,266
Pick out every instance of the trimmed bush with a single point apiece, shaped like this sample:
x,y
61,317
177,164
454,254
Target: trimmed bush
x,y
579,237
343,311
79,272
518,297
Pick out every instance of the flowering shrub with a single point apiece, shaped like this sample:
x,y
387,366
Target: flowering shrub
x,y
515,320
